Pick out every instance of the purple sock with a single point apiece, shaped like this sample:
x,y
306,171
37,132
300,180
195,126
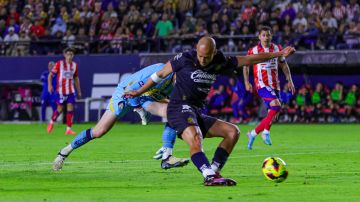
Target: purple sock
x,y
220,157
200,161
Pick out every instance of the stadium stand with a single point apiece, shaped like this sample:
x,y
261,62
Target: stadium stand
x,y
131,26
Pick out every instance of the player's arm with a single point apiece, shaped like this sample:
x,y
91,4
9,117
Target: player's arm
x,y
155,78
77,86
247,83
262,57
285,68
50,77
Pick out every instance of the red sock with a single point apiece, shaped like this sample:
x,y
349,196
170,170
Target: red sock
x,y
266,122
69,119
55,115
271,115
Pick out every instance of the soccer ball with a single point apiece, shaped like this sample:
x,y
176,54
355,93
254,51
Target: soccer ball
x,y
274,169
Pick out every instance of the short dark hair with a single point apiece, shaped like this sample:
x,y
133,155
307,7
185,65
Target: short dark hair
x,y
265,28
69,49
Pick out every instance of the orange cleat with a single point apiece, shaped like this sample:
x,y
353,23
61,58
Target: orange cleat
x,y
70,132
50,127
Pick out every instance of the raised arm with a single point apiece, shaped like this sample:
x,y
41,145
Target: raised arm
x,y
155,78
262,57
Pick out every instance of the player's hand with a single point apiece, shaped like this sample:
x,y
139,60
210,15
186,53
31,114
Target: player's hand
x,y
50,89
291,87
131,94
248,87
79,96
288,51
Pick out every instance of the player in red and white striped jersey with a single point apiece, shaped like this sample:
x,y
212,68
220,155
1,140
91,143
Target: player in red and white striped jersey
x,y
267,83
67,75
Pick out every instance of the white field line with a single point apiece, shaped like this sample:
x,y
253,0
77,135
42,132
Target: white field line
x,y
40,163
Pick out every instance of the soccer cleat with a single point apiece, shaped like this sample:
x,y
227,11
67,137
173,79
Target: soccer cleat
x,y
70,132
159,153
251,140
266,138
217,180
144,115
50,127
59,162
173,162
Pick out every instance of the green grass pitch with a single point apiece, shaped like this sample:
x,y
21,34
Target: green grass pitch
x,y
323,163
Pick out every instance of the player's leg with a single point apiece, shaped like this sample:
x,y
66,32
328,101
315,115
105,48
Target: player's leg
x,y
184,119
168,138
116,108
229,133
56,113
101,128
271,100
70,114
43,109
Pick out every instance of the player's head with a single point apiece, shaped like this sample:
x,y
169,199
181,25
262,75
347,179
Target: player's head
x,y
205,49
69,53
265,35
51,64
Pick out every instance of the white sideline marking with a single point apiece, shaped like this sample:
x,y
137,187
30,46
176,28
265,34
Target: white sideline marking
x,y
39,163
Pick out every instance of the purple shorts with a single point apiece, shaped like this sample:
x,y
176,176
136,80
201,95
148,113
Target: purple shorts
x,y
69,99
268,94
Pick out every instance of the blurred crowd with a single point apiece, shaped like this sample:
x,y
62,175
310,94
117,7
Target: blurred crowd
x,y
320,103
40,27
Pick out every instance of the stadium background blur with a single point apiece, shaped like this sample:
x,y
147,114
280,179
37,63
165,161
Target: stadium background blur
x,y
122,36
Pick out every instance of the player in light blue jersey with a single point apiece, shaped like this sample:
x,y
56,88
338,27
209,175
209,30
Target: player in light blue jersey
x,y
152,101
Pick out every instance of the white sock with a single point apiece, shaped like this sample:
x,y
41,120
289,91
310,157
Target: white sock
x,y
253,133
167,153
51,121
215,166
266,131
66,150
68,128
207,171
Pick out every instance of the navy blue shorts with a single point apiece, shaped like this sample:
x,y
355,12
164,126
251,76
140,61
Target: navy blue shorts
x,y
268,95
180,116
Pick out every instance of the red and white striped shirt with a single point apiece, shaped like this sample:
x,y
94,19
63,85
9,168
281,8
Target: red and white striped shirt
x,y
65,76
266,73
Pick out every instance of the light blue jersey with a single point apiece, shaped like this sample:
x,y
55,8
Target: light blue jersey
x,y
160,91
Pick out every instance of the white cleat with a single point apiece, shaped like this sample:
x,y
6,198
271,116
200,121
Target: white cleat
x,y
59,162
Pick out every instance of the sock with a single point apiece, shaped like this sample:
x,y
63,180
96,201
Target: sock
x,y
253,133
54,116
68,128
202,163
266,131
219,160
167,153
168,136
69,118
82,138
67,150
271,114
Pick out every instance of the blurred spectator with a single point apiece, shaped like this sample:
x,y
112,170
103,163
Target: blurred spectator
x,y
10,41
23,44
59,26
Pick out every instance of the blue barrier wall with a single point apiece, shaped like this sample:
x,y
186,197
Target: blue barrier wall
x,y
94,72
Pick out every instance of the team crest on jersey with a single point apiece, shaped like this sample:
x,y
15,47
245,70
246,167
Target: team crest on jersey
x,y
121,105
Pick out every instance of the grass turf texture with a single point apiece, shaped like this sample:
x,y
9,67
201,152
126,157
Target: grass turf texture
x,y
323,163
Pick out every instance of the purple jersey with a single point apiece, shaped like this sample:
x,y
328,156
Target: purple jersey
x,y
193,82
